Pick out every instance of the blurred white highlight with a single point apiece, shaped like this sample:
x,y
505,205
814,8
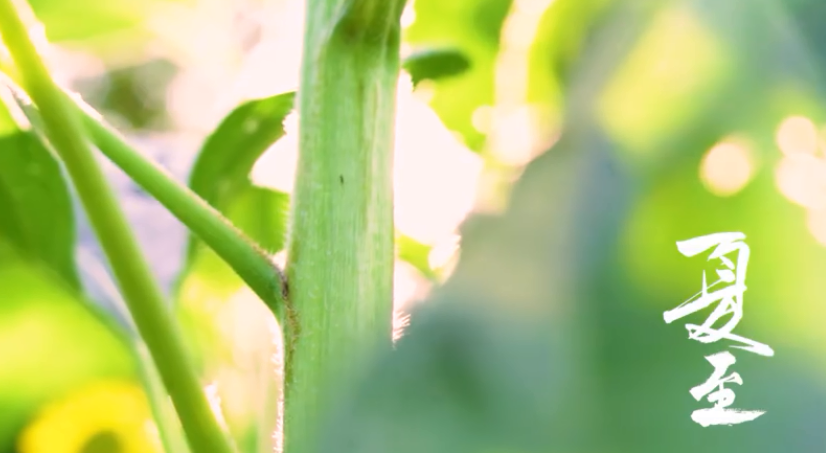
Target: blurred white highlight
x,y
435,174
797,135
214,399
727,168
801,173
802,179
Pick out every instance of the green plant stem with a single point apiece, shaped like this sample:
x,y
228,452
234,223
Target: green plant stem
x,y
247,259
340,260
140,291
169,428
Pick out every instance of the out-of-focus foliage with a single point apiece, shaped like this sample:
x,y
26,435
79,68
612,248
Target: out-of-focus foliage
x,y
134,96
498,361
88,19
434,64
108,416
581,267
416,254
37,211
50,342
221,177
561,36
549,336
473,29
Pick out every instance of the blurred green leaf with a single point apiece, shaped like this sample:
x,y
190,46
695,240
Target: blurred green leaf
x,y
212,299
562,35
666,81
472,28
459,381
36,207
435,64
49,343
134,96
415,253
663,77
68,342
83,19
587,253
550,338
802,17
220,176
499,360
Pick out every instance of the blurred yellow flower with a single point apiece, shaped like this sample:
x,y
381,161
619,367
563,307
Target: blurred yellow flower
x,y
106,417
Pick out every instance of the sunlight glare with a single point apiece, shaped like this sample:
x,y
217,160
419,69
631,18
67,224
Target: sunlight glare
x,y
435,174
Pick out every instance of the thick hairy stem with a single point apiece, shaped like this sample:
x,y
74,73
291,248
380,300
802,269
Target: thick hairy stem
x,y
340,261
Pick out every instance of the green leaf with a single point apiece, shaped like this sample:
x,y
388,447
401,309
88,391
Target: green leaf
x,y
472,28
208,294
435,64
36,207
229,153
220,175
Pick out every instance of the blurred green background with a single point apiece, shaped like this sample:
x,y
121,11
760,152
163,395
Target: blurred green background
x,y
550,153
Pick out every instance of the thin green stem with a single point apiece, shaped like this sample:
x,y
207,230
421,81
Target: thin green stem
x,y
169,428
340,260
246,258
141,293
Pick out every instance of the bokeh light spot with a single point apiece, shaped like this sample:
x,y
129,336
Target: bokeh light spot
x,y
802,179
727,168
797,135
